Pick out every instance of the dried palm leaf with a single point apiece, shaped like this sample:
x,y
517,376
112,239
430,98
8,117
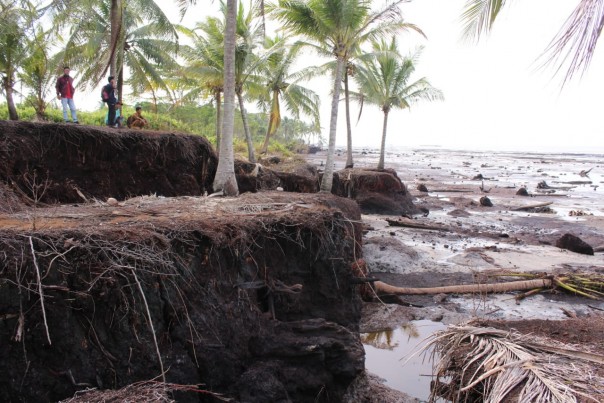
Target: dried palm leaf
x,y
492,365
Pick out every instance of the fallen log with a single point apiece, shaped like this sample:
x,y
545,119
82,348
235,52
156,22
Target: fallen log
x,y
466,288
413,224
576,182
530,206
583,284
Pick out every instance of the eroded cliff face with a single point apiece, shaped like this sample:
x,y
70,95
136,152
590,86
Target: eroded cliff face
x,y
59,163
251,297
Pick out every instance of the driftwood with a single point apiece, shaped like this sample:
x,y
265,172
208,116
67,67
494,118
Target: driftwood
x,y
412,224
530,206
577,182
588,285
452,190
466,288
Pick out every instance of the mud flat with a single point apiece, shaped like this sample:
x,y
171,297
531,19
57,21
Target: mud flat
x,y
461,241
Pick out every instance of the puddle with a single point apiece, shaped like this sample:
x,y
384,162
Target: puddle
x,y
387,355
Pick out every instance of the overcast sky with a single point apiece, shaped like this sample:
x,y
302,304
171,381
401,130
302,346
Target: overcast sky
x,y
495,95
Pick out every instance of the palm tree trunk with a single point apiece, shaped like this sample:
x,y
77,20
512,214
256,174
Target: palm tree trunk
x,y
327,181
120,84
264,148
114,16
383,146
10,103
466,289
120,53
349,162
246,130
271,121
225,179
218,118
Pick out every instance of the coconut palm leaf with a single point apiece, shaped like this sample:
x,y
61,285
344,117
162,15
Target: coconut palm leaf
x,y
570,51
495,365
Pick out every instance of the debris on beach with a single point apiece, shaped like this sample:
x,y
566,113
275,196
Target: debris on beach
x,y
589,285
492,365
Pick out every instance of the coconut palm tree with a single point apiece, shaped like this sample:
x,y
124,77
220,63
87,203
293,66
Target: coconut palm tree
x,y
143,45
204,69
36,72
385,81
250,36
225,179
283,86
354,57
573,46
335,25
15,20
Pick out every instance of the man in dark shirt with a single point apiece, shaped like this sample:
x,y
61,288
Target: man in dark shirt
x,y
110,98
65,91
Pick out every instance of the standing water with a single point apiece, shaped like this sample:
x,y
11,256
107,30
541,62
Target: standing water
x,y
392,355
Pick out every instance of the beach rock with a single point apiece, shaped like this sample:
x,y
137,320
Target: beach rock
x,y
422,188
574,244
486,202
522,192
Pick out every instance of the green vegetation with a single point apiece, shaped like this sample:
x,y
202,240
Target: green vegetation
x,y
194,78
191,120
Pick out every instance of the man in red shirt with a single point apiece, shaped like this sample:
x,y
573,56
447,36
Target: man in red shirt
x,y
65,91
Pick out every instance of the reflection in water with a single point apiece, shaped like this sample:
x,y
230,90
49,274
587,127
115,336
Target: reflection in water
x,y
385,339
390,355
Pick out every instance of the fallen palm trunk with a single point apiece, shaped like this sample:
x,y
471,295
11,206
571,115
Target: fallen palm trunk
x,y
587,285
415,225
466,288
491,365
531,206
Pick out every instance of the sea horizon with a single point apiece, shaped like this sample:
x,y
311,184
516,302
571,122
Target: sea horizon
x,y
575,149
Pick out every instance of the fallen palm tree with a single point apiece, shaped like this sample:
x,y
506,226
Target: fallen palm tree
x,y
492,365
588,285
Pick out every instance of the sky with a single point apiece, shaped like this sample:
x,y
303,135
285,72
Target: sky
x,y
496,97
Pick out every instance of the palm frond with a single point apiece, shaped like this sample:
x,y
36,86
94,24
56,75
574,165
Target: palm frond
x,y
494,366
479,16
574,45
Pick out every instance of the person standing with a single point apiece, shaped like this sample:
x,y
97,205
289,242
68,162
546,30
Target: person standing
x,y
109,97
65,91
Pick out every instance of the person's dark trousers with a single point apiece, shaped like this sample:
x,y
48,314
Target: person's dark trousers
x,y
111,117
